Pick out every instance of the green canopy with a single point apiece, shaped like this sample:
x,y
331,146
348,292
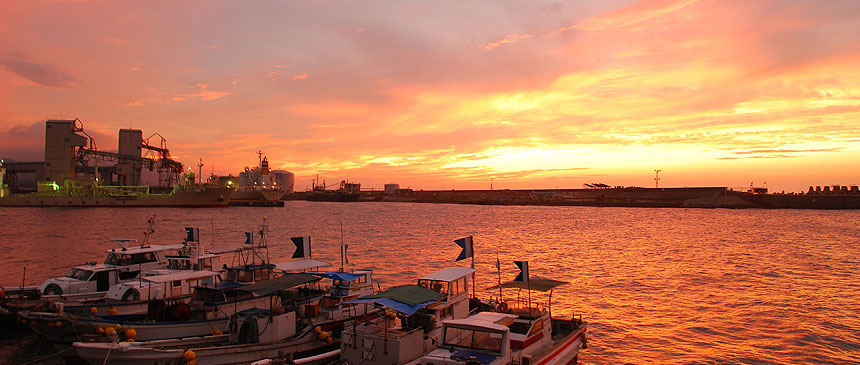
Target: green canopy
x,y
533,284
407,294
267,287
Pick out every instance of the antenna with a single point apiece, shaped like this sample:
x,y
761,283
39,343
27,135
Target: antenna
x,y
200,171
657,179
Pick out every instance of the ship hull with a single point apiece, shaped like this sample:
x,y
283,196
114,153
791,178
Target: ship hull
x,y
214,197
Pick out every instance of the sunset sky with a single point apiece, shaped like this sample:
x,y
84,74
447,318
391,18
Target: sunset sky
x,y
449,94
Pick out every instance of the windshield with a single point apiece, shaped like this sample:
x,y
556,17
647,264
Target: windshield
x,y
79,274
473,339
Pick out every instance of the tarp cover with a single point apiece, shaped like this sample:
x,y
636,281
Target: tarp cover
x,y
533,284
287,281
337,275
406,299
469,355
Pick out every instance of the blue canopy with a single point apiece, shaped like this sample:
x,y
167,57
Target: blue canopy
x,y
337,275
406,299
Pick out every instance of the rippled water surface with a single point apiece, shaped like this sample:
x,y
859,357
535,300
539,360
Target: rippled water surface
x,y
656,285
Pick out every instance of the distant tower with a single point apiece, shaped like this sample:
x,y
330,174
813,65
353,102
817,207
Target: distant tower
x,y
200,171
61,145
657,179
128,165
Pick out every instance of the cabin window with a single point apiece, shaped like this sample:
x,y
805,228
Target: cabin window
x,y
177,283
439,286
537,327
455,288
474,339
246,276
79,274
111,259
142,258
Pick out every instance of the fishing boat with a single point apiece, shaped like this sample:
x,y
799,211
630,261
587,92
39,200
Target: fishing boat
x,y
259,334
518,331
90,282
525,336
411,328
208,312
134,297
345,286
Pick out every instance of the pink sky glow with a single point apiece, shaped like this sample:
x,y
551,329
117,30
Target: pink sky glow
x,y
449,94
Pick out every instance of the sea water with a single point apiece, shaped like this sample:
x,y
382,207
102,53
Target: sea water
x,y
655,285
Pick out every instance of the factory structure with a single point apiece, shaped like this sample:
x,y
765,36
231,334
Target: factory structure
x,y
71,156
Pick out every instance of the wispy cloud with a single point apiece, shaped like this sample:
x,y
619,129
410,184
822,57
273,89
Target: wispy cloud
x,y
204,94
40,73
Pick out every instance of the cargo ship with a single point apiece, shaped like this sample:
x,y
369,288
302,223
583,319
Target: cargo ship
x,y
259,186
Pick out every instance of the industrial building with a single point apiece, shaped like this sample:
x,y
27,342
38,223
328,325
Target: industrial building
x,y
71,154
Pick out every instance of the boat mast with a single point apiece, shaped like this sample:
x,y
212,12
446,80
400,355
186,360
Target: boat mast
x,y
342,251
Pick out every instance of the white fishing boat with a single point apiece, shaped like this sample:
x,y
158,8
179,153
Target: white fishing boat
x,y
90,282
208,312
528,336
514,331
134,297
412,327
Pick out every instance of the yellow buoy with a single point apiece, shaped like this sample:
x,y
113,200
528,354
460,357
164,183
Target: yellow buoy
x,y
50,324
100,331
188,355
323,335
94,310
317,330
129,340
117,326
58,324
329,340
217,333
130,333
112,311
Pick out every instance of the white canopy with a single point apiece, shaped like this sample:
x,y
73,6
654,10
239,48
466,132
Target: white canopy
x,y
302,264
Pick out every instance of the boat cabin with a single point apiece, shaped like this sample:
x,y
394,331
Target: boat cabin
x,y
345,286
420,311
453,282
162,285
193,257
249,273
84,279
483,338
131,261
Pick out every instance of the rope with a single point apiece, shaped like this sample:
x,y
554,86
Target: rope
x,y
49,356
108,353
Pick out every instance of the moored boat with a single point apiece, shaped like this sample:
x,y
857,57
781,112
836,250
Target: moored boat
x,y
512,332
412,327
